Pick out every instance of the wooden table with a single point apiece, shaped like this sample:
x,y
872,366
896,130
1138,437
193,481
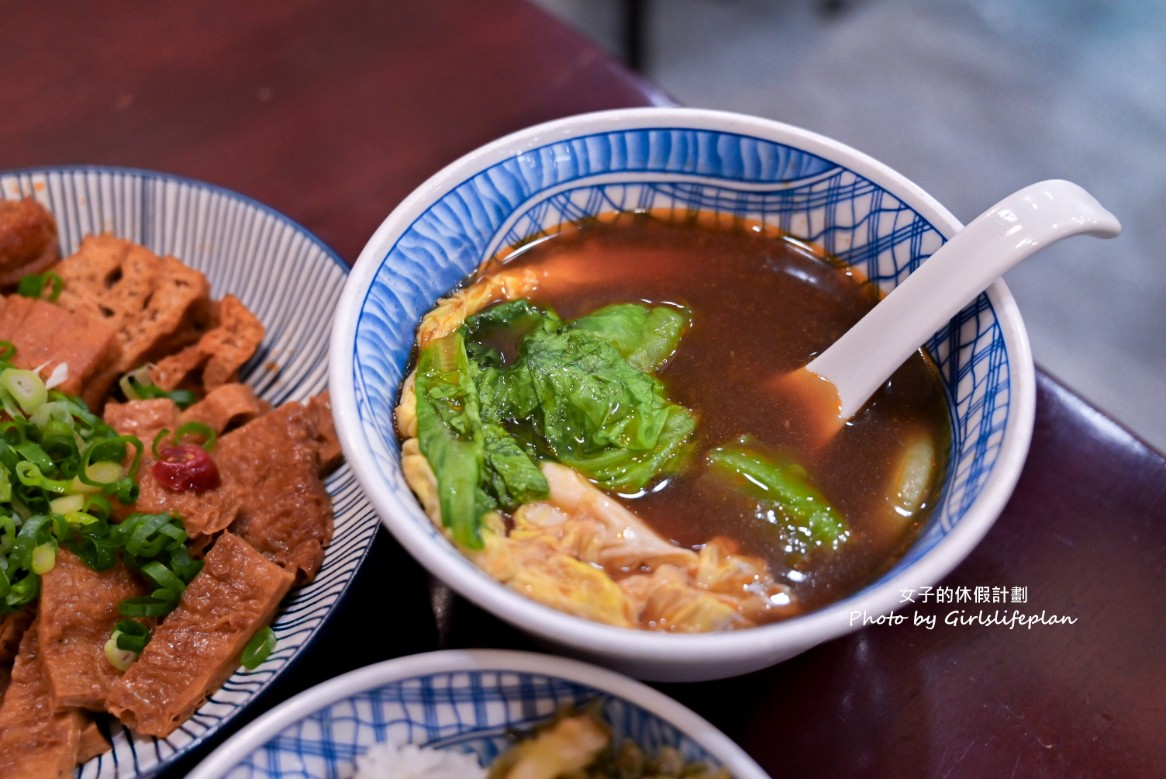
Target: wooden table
x,y
331,112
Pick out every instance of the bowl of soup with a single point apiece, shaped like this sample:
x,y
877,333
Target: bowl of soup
x,y
556,371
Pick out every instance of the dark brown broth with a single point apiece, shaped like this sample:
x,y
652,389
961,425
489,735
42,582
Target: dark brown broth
x,y
762,304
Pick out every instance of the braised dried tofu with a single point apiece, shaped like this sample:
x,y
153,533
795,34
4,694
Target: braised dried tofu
x,y
45,337
78,610
36,740
226,406
28,239
327,441
203,513
155,304
92,742
12,627
220,352
274,462
198,645
271,490
142,418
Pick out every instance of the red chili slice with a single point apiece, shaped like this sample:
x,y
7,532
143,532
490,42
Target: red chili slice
x,y
185,468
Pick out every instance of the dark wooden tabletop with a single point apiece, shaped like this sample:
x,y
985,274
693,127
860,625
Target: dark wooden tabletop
x,y
331,112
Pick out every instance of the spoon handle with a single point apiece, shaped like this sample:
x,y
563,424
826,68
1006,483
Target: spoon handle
x,y
1024,222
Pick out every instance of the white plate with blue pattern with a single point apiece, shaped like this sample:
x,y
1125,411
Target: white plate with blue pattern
x,y
292,282
469,701
748,169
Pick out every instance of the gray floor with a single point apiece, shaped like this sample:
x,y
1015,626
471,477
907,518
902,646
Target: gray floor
x,y
972,99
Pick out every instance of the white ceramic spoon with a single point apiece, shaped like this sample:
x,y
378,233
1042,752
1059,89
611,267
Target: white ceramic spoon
x,y
861,361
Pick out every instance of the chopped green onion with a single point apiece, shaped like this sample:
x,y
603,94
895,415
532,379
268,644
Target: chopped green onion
x,y
67,504
44,558
258,648
7,533
196,430
132,635
98,475
96,552
184,399
142,534
22,592
59,442
119,658
34,454
132,382
80,521
184,566
112,450
126,490
170,586
33,285
31,476
25,387
146,606
34,530
159,437
205,433
136,385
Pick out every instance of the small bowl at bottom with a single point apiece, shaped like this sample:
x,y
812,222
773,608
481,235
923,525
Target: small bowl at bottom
x,y
469,701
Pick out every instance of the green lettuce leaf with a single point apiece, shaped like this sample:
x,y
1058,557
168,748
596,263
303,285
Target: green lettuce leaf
x,y
513,477
782,491
449,432
600,415
516,385
646,336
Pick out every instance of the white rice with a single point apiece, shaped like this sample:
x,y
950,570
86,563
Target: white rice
x,y
408,761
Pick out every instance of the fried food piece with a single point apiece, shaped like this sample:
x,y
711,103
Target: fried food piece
x,y
198,645
271,494
218,355
156,304
327,441
12,627
226,406
35,739
274,464
28,239
83,349
78,610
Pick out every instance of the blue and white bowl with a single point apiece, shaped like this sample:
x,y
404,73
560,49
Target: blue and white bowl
x,y
466,701
812,187
292,282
